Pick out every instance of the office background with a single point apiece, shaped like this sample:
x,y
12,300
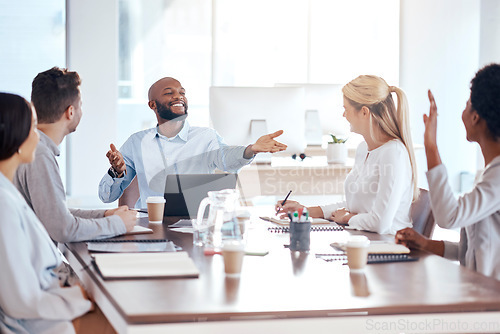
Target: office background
x,y
120,47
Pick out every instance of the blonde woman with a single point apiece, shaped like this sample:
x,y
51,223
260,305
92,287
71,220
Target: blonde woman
x,y
383,182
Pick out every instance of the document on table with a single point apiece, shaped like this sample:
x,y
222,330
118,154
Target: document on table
x,y
136,230
139,230
131,247
183,225
146,265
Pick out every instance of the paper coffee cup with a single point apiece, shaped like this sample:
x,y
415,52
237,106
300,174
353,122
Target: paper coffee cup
x,y
233,253
357,252
156,205
243,218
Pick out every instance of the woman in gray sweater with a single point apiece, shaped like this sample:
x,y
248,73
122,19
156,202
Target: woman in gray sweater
x,y
477,212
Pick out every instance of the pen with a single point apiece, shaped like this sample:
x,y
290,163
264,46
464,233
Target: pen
x,y
140,210
284,201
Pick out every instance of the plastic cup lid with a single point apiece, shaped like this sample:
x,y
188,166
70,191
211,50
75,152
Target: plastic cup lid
x,y
233,245
358,241
155,199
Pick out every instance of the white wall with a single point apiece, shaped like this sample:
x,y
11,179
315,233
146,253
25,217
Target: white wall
x,y
489,49
92,51
440,51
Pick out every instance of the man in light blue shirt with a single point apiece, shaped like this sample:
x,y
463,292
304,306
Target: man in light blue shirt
x,y
173,147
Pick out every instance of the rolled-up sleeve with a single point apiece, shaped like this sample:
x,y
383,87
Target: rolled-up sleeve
x,y
227,158
48,200
451,250
111,189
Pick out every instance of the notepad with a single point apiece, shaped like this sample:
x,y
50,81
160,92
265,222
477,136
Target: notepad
x,y
286,222
145,265
138,229
379,247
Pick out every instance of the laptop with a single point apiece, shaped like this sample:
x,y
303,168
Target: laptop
x,y
184,192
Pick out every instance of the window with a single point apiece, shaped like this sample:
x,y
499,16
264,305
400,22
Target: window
x,y
250,43
33,39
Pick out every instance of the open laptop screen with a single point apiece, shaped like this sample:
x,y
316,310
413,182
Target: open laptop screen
x,y
184,192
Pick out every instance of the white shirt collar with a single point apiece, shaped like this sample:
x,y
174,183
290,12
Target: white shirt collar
x,y
183,134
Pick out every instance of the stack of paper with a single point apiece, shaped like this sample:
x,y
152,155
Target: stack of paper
x,y
143,265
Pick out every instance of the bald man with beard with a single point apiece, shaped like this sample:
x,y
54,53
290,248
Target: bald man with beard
x,y
173,147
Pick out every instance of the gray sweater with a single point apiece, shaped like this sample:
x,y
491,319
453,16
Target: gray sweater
x,y
41,185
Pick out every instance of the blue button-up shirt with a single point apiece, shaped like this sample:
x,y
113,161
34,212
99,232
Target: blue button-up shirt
x,y
194,150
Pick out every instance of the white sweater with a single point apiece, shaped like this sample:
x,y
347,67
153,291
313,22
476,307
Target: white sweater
x,y
476,212
379,189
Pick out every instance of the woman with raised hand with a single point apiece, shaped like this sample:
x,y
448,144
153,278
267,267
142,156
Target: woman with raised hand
x,y
31,298
477,212
383,182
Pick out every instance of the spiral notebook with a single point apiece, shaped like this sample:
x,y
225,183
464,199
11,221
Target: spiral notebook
x,y
314,228
378,247
127,240
372,258
286,222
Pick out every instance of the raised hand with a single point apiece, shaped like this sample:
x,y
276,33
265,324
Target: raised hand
x,y
116,160
430,122
430,143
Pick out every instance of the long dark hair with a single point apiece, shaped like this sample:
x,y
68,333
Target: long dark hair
x,y
15,123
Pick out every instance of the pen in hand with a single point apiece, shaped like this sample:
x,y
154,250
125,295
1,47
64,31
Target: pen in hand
x,y
284,201
140,210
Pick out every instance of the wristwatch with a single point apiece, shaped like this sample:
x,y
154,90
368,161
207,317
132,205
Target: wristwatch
x,y
112,172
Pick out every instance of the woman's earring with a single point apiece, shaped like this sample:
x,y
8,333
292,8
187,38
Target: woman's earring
x,y
19,151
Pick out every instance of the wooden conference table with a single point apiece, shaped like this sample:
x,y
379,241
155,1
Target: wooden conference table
x,y
290,291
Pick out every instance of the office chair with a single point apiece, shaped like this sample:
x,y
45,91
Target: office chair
x,y
421,214
130,195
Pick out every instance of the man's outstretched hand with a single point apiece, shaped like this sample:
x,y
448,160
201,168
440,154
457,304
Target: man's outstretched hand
x,y
266,143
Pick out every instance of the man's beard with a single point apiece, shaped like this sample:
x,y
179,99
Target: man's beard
x,y
166,113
